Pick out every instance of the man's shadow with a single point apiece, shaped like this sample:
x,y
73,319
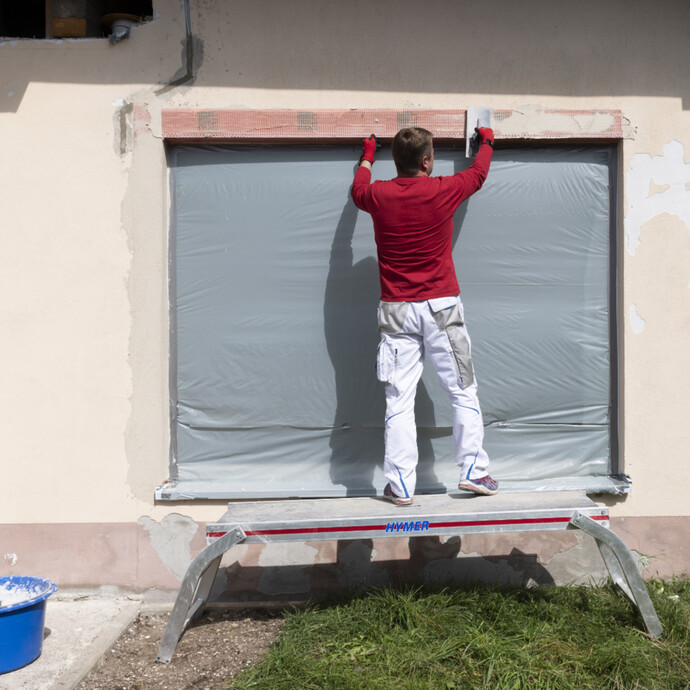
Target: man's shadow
x,y
357,435
351,298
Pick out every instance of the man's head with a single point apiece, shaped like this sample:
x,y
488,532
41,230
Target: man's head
x,y
413,151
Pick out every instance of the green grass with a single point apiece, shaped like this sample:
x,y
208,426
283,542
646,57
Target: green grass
x,y
481,637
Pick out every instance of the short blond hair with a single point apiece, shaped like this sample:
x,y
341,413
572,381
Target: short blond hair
x,y
410,145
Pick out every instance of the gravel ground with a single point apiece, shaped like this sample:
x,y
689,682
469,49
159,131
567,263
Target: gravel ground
x,y
209,655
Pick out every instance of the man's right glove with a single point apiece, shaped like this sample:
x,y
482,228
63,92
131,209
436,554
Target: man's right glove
x,y
369,148
485,135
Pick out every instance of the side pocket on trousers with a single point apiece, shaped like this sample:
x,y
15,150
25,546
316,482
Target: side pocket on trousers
x,y
391,316
460,346
386,362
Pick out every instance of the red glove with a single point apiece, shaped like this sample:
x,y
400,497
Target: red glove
x,y
486,135
369,147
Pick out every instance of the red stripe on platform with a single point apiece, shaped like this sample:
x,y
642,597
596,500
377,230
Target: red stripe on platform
x,y
432,525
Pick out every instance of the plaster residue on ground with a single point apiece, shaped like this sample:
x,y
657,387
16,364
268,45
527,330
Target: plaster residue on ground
x,y
171,539
656,185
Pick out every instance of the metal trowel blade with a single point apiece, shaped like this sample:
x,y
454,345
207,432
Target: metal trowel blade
x,y
477,116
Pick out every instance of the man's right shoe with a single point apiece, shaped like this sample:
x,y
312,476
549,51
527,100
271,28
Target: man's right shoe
x,y
398,500
486,486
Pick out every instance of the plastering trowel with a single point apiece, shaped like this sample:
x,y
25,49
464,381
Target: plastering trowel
x,y
476,117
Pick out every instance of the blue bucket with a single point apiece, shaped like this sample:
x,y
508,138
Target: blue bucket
x,y
22,617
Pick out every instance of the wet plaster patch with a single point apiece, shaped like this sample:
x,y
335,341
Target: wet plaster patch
x,y
529,119
287,554
285,568
171,539
581,564
237,554
656,185
642,561
122,126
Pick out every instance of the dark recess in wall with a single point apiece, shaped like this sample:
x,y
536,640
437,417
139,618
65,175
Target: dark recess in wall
x,y
38,19
23,20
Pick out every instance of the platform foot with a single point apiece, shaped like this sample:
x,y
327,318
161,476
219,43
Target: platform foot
x,y
623,570
194,591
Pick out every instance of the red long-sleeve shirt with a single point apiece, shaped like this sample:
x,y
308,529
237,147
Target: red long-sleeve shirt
x,y
413,228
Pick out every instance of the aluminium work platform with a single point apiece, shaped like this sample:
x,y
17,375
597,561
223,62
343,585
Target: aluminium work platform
x,y
368,518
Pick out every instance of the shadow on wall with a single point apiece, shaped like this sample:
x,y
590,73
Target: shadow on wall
x,y
351,298
431,562
587,48
583,49
349,318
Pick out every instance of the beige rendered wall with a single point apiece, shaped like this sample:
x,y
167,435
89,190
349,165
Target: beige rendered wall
x,y
84,301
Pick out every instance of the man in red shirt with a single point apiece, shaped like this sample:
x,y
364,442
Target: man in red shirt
x,y
420,313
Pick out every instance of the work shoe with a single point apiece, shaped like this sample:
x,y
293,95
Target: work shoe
x,y
398,500
485,486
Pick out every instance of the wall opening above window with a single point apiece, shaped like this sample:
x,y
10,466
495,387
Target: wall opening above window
x,y
37,19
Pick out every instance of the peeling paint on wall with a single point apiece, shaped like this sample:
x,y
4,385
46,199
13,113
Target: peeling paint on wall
x,y
656,185
171,539
637,323
655,188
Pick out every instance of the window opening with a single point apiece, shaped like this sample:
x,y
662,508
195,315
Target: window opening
x,y
273,284
23,20
41,19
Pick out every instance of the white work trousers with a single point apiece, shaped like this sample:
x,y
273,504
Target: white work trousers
x,y
409,332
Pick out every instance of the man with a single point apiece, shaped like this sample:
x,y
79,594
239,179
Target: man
x,y
420,312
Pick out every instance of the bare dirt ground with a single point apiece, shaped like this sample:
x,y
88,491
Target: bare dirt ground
x,y
209,655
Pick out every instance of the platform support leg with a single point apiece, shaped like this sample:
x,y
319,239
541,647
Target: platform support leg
x,y
194,590
623,570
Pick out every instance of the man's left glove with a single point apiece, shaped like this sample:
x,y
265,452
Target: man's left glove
x,y
369,147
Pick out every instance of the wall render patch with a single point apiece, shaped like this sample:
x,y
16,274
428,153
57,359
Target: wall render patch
x,y
637,323
171,539
668,172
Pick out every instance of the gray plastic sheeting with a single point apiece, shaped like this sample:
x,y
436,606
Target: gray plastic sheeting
x,y
275,288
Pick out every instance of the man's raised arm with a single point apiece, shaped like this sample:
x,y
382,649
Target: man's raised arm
x,y
475,175
362,181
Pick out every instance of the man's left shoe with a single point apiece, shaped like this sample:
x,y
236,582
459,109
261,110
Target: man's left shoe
x,y
486,486
398,500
